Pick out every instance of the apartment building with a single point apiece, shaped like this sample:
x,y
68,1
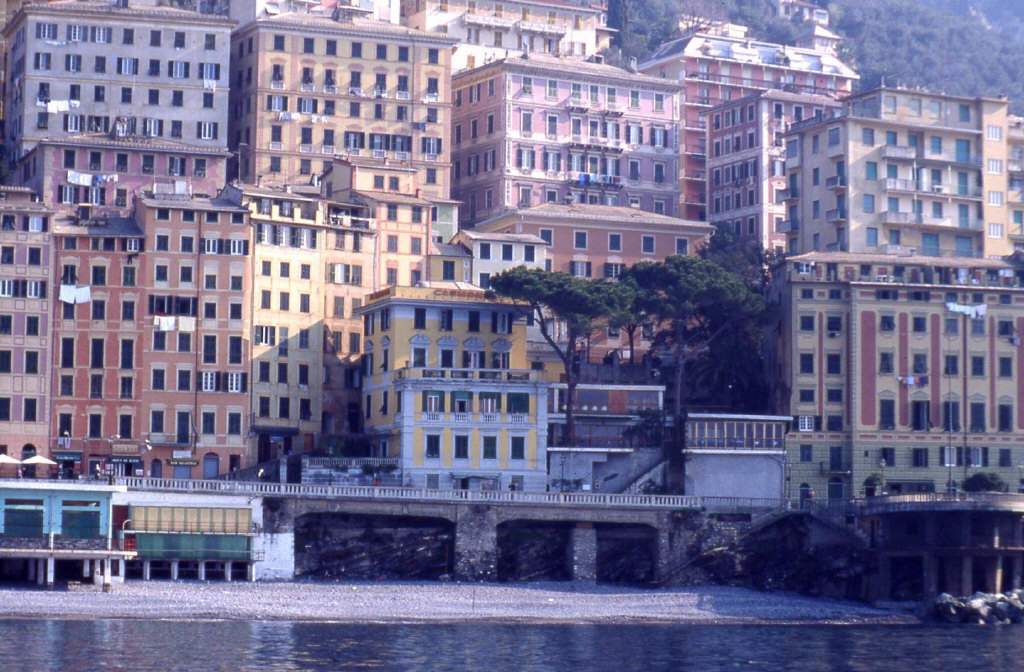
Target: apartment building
x,y
901,171
195,345
308,86
716,68
746,162
27,294
151,329
903,372
529,130
490,30
447,389
74,67
1015,171
107,173
96,410
381,10
491,253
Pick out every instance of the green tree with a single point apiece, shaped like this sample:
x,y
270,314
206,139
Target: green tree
x,y
985,481
694,302
626,310
560,299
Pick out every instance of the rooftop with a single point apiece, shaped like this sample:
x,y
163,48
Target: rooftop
x,y
138,142
183,202
580,68
109,11
446,291
596,213
99,227
743,50
324,22
448,250
505,237
899,260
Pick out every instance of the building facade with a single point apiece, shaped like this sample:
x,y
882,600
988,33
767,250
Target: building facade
x,y
107,173
447,389
74,67
489,30
901,171
716,68
310,86
903,373
746,162
527,130
27,296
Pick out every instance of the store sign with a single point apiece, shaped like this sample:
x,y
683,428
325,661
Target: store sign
x,y
67,456
124,459
181,454
124,448
183,463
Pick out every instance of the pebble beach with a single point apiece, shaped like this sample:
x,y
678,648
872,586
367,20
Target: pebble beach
x,y
400,602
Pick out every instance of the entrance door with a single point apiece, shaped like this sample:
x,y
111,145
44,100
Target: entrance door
x,y
835,489
211,466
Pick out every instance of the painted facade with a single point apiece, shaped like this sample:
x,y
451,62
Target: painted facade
x,y
528,131
902,172
716,68
447,388
891,387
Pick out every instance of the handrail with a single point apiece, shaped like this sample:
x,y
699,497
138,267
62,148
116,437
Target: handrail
x,y
511,497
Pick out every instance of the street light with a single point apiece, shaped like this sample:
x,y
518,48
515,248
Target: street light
x,y
881,486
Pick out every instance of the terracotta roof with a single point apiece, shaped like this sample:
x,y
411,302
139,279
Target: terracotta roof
x,y
601,213
134,142
100,228
390,197
448,250
571,66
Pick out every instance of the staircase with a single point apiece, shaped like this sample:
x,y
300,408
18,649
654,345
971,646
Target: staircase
x,y
655,474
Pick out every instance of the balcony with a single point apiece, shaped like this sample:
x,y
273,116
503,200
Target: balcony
x,y
486,375
402,95
577,105
1015,166
327,149
836,215
836,182
898,153
277,84
307,87
789,226
330,89
544,28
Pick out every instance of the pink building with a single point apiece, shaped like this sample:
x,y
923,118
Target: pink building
x,y
107,171
715,69
530,130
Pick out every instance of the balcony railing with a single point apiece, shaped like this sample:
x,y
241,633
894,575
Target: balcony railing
x,y
899,153
836,182
496,375
836,215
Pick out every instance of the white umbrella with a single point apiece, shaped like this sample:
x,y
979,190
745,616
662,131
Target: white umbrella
x,y
7,459
39,459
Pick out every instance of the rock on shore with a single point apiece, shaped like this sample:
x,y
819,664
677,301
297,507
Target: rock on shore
x,y
980,608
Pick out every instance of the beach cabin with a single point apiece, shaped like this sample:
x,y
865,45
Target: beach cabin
x,y
54,531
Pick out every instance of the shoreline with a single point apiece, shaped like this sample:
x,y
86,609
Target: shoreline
x,y
412,603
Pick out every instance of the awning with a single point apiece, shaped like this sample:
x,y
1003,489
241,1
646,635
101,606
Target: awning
x,y
276,431
483,477
67,455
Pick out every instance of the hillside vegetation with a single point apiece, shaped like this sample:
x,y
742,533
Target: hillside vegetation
x,y
966,47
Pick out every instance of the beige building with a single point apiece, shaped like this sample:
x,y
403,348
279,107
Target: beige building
x,y
901,171
903,372
81,66
487,30
309,86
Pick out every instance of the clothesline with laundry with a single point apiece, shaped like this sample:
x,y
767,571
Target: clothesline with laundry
x,y
74,295
88,180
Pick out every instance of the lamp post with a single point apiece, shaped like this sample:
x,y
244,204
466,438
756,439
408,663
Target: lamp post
x,y
881,486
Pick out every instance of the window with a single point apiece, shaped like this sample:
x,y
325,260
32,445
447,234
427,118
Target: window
x,y
886,414
580,240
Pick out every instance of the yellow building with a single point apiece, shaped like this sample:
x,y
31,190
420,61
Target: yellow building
x,y
308,86
447,389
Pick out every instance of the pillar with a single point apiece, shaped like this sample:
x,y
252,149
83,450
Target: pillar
x,y
202,570
583,552
107,565
966,575
121,569
40,572
883,586
250,572
147,567
476,544
51,563
965,530
97,576
33,565
1018,569
227,571
174,570
995,575
86,569
930,583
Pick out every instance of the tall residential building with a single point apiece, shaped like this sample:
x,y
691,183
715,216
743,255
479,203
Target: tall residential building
x,y
746,162
904,373
530,130
489,30
901,171
449,391
307,87
151,337
716,68
244,11
75,67
27,295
